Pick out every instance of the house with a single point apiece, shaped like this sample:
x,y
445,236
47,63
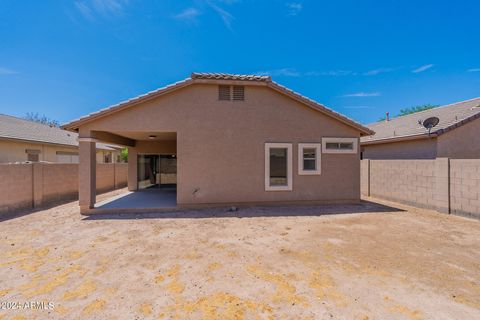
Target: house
x,y
220,138
457,134
22,140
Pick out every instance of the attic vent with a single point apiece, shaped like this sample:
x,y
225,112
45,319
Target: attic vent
x,y
238,93
224,93
231,93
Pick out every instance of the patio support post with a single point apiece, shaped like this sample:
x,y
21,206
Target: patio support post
x,y
87,174
132,169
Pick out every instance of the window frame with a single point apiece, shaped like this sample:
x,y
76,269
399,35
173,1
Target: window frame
x,y
354,141
318,158
34,153
274,145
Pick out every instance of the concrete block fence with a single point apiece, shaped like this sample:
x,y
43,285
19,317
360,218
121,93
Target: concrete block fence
x,y
443,184
26,186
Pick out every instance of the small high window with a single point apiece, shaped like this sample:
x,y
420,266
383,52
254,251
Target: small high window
x,y
278,166
339,145
309,158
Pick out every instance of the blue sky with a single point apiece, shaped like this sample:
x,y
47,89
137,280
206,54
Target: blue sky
x,y
65,58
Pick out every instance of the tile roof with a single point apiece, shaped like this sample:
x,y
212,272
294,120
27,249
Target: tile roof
x,y
226,76
451,116
73,125
21,129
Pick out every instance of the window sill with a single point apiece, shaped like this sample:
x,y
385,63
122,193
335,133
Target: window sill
x,y
279,188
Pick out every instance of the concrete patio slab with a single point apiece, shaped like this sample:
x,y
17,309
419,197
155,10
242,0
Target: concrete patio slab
x,y
152,199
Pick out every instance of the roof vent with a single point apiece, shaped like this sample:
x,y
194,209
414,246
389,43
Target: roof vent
x,y
224,93
238,93
229,93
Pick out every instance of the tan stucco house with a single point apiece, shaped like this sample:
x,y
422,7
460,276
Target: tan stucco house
x,y
22,140
220,138
456,136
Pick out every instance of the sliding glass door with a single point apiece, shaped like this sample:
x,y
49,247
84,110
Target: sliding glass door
x,y
156,171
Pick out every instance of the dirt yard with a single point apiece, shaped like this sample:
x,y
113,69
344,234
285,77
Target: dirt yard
x,y
363,261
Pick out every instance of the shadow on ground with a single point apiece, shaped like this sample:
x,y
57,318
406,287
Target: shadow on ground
x,y
254,211
23,212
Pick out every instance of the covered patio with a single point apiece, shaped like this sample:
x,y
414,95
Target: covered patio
x,y
152,172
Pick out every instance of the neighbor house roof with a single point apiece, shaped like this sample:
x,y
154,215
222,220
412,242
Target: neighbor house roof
x,y
410,126
218,78
13,128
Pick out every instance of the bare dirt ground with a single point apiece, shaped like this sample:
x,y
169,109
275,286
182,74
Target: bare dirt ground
x,y
363,261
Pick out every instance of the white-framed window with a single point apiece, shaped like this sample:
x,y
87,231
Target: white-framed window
x,y
309,158
278,166
339,145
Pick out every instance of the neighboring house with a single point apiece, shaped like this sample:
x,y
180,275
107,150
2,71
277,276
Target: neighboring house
x,y
457,134
22,140
228,139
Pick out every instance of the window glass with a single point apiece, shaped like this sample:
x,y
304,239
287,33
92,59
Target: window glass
x,y
309,159
340,145
332,145
348,146
278,167
33,157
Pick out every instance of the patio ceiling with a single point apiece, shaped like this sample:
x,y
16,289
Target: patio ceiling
x,y
148,135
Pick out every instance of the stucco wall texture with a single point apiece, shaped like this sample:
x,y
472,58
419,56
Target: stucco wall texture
x,y
461,143
220,144
24,186
447,185
412,149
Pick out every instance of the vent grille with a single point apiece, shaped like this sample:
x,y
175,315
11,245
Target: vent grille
x,y
238,93
231,93
224,93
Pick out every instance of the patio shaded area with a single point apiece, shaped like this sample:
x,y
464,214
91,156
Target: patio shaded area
x,y
150,199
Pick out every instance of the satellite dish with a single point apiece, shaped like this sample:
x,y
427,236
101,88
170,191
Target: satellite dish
x,y
431,122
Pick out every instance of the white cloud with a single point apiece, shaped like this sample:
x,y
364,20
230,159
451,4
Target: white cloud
x,y
378,71
285,72
335,73
226,16
422,68
110,7
6,71
358,107
362,94
84,9
294,8
105,8
292,72
188,14
474,70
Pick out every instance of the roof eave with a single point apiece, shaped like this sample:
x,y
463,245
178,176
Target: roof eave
x,y
458,124
74,125
38,142
400,138
364,131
